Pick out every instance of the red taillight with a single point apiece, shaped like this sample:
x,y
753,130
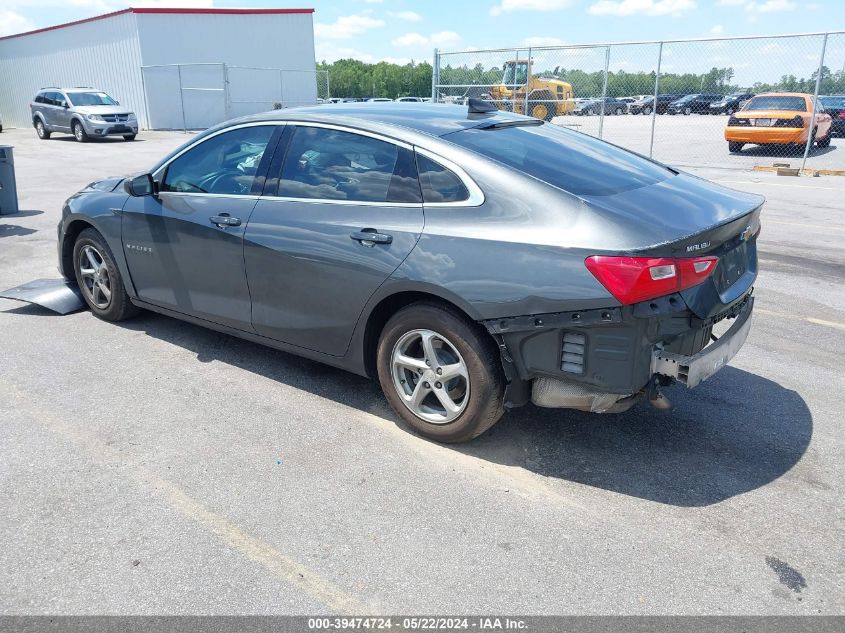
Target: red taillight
x,y
635,279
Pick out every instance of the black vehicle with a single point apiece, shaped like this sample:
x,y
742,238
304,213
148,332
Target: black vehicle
x,y
834,105
595,106
647,105
385,239
697,103
730,103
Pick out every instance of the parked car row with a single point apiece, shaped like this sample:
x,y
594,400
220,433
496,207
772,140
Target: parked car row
x,y
373,100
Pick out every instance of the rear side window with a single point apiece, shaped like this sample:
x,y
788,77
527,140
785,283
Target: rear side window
x,y
438,183
326,164
572,161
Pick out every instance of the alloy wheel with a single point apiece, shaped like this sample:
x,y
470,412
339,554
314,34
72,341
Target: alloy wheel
x,y
430,376
77,132
96,282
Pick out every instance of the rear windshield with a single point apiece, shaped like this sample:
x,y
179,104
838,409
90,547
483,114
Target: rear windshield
x,y
777,102
90,99
572,161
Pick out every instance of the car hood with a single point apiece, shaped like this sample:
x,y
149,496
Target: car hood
x,y
102,109
106,184
673,209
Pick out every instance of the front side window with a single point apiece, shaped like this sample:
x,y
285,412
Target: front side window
x,y
90,99
224,164
777,102
331,164
438,183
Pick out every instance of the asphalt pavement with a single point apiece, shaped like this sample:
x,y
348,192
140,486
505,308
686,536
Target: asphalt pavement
x,y
155,467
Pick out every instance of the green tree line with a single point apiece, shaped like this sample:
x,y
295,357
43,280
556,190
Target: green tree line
x,y
353,78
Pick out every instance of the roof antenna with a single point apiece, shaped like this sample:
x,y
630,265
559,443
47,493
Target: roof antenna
x,y
481,106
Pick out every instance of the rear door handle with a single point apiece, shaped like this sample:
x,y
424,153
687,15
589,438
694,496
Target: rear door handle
x,y
368,237
224,219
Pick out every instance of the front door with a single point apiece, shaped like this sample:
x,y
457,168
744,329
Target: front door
x,y
344,212
61,112
184,247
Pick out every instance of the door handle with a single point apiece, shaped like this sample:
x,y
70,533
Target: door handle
x,y
224,219
369,237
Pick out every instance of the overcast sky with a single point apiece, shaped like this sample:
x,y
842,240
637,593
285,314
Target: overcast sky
x,y
400,30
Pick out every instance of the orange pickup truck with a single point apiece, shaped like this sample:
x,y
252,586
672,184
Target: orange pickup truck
x,y
778,118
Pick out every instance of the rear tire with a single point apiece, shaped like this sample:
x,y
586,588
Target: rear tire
x,y
99,279
457,345
79,132
735,148
647,110
41,131
544,111
687,111
619,112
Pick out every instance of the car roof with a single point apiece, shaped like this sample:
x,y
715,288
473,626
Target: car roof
x,y
433,119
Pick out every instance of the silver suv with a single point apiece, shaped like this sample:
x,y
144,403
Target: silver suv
x,y
84,112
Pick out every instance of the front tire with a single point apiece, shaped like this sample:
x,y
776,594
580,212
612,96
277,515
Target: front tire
x,y
647,110
79,132
440,373
99,279
129,137
41,131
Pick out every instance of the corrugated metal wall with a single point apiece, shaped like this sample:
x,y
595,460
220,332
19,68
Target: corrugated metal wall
x,y
104,54
244,43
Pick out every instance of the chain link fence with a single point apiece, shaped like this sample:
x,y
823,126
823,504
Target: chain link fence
x,y
719,102
197,96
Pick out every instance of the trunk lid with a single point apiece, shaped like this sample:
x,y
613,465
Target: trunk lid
x,y
685,217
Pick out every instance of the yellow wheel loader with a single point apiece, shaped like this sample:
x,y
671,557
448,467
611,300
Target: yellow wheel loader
x,y
546,97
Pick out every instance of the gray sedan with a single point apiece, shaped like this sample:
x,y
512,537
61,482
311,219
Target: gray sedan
x,y
471,260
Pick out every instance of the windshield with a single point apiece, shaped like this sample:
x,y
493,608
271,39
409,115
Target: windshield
x,y
515,74
777,102
687,98
833,102
90,99
572,161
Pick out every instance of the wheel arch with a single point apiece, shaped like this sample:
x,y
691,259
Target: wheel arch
x,y
72,231
386,306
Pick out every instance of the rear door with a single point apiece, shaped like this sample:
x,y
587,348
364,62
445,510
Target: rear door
x,y
184,246
341,211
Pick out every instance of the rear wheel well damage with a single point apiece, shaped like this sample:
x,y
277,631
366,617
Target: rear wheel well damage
x,y
389,306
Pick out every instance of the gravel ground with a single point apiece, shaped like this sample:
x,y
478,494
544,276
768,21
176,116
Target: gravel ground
x,y
157,467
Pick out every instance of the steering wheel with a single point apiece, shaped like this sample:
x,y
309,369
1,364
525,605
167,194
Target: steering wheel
x,y
230,182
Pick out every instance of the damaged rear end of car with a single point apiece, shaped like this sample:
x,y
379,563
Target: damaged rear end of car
x,y
675,255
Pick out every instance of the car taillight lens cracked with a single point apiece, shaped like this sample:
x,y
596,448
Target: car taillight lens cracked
x,y
635,279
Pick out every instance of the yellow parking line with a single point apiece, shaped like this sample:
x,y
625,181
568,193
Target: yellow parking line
x,y
251,547
809,226
813,320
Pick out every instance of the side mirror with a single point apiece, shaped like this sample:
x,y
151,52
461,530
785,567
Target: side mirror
x,y
142,185
65,105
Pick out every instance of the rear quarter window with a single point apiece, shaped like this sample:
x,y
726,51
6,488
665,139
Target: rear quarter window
x,y
572,161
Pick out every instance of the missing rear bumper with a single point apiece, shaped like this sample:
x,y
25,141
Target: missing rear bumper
x,y
693,370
